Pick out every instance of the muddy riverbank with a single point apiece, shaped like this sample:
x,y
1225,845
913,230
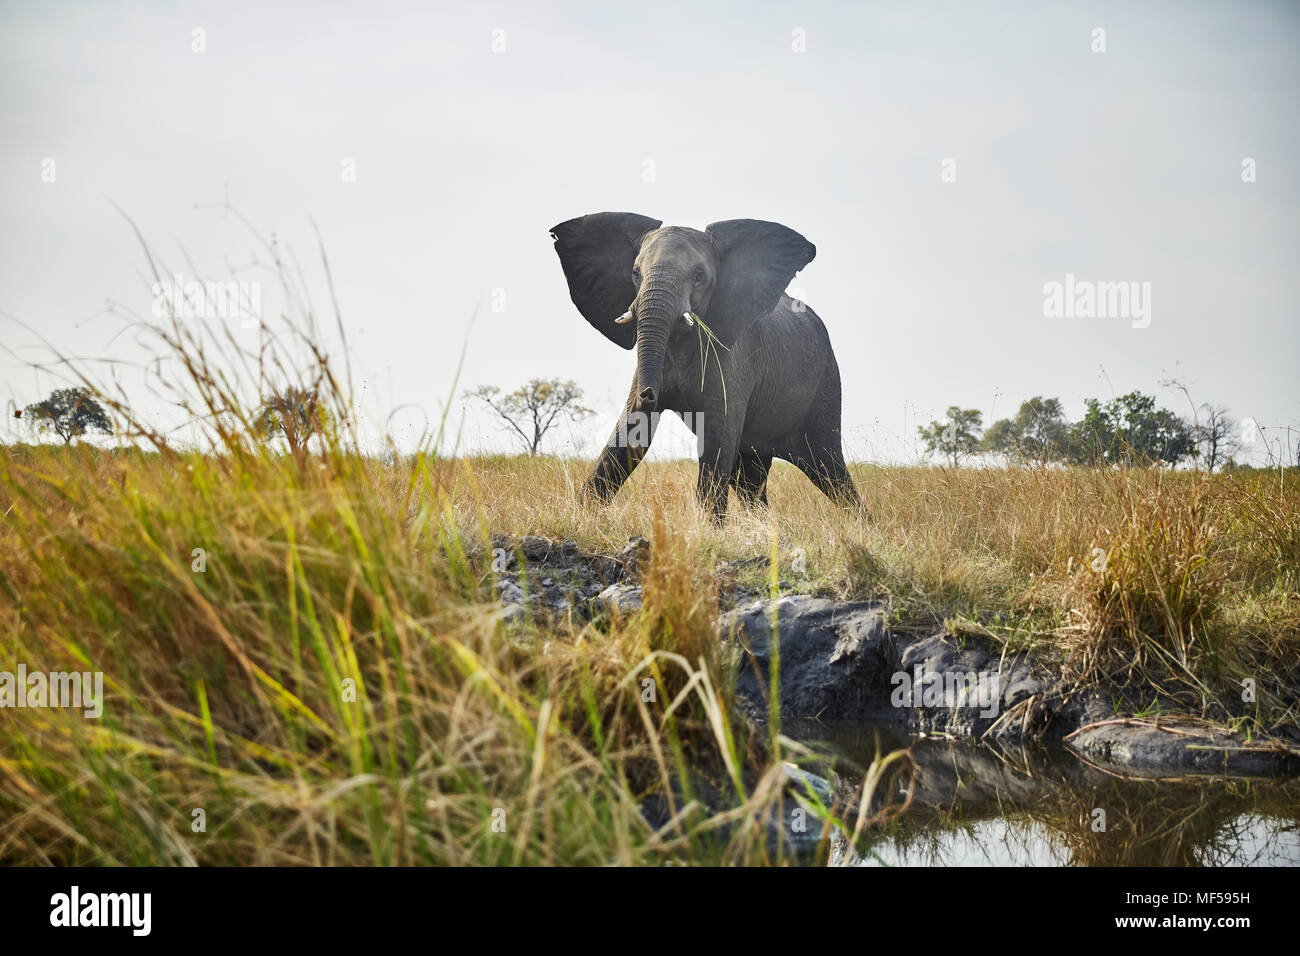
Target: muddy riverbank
x,y
842,662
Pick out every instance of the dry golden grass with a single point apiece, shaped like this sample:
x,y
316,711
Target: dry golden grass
x,y
229,688
1196,563
225,687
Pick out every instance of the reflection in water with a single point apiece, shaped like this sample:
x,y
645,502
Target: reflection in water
x,y
974,806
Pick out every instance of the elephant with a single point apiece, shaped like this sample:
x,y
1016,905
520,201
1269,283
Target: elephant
x,y
749,369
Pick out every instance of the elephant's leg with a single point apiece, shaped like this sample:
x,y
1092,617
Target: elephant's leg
x,y
819,452
717,465
750,477
825,467
623,452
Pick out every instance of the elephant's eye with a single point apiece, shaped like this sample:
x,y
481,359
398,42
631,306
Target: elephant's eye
x,y
636,275
700,277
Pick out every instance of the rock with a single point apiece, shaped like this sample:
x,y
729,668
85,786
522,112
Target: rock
x,y
938,654
634,554
835,659
799,828
949,689
620,599
1022,689
801,781
1172,746
535,548
559,580
511,593
839,661
607,570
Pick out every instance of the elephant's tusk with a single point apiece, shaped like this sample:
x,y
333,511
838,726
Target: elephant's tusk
x,y
625,318
689,320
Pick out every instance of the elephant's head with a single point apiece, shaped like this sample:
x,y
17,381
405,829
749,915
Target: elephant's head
x,y
637,282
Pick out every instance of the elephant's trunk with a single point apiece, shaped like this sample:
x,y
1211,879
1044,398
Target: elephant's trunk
x,y
658,306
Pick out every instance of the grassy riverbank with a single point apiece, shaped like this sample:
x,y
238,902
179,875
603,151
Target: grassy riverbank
x,y
334,685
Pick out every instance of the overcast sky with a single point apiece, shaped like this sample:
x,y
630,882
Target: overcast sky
x,y
474,127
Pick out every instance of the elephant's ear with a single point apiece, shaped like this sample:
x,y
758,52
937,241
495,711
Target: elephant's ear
x,y
756,261
597,253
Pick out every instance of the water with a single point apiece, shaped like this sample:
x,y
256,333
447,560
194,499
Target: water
x,y
972,805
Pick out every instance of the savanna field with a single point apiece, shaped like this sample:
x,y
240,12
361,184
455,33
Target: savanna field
x,y
337,684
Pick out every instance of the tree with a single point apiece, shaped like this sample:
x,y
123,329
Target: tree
x,y
955,438
1169,439
532,409
296,412
1130,430
1216,436
1039,433
71,412
1002,438
1092,438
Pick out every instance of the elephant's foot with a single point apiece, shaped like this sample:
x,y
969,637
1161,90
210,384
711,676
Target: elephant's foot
x,y
597,491
715,506
848,497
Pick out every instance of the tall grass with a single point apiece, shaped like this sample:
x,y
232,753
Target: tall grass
x,y
333,684
305,661
229,687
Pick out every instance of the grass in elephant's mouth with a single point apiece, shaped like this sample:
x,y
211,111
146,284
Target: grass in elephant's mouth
x,y
709,345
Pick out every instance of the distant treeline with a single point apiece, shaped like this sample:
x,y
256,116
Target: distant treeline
x,y
1129,430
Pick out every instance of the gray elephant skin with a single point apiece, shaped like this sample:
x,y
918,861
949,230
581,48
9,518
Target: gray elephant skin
x,y
766,385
